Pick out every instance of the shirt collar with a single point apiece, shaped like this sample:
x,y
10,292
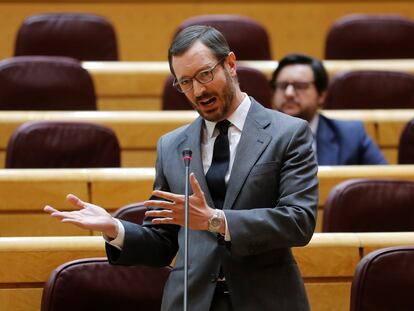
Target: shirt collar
x,y
237,118
313,124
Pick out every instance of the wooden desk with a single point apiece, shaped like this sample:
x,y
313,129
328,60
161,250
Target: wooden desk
x,y
139,85
327,265
138,131
113,188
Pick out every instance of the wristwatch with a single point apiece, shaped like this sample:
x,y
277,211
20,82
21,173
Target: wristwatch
x,y
215,222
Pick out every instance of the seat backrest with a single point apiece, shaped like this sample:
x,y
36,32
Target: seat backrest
x,y
406,144
54,144
134,212
370,205
78,35
45,83
367,89
363,36
94,284
246,37
251,81
383,280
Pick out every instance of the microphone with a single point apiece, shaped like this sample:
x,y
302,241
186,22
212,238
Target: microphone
x,y
187,156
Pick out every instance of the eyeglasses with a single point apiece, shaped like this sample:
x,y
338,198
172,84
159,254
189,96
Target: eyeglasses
x,y
203,77
298,86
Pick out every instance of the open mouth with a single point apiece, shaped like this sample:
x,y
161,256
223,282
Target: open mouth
x,y
208,102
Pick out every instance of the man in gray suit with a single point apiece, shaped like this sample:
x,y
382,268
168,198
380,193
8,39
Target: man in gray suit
x,y
254,193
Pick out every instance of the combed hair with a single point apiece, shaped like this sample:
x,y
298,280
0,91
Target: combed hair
x,y
209,36
319,71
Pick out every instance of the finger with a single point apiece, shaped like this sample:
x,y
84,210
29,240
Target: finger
x,y
49,209
63,215
75,201
196,186
163,213
160,204
163,221
167,195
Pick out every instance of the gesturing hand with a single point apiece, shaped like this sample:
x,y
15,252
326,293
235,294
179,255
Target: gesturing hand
x,y
88,216
172,211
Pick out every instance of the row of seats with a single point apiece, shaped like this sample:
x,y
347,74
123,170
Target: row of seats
x,y
127,185
55,290
54,144
327,264
356,205
61,83
91,37
382,282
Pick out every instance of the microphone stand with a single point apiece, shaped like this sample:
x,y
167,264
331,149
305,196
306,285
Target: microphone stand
x,y
187,158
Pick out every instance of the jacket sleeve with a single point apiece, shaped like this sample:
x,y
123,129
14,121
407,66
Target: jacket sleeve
x,y
153,245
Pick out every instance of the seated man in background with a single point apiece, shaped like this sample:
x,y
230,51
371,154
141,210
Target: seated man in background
x,y
299,84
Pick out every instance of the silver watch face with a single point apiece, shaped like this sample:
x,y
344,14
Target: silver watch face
x,y
215,222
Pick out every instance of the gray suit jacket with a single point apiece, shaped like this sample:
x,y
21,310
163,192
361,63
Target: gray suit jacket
x,y
270,206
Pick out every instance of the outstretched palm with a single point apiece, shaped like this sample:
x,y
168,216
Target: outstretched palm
x,y
88,216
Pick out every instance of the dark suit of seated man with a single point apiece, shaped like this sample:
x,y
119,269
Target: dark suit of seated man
x,y
254,193
299,84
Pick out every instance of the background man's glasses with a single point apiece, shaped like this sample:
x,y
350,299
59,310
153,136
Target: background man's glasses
x,y
298,86
203,77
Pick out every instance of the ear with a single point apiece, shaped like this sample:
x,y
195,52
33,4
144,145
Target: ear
x,y
321,99
231,64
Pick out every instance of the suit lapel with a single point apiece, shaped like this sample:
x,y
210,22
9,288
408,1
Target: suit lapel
x,y
192,140
253,142
327,144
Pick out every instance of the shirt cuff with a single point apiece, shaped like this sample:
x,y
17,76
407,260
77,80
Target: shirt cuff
x,y
227,236
118,242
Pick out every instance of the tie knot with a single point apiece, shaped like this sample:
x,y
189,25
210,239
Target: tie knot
x,y
223,126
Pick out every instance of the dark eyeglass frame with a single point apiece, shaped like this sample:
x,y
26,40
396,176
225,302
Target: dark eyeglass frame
x,y
297,85
208,75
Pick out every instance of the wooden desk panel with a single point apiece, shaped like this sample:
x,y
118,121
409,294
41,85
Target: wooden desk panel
x,y
329,176
113,188
329,296
139,131
139,85
21,283
21,299
24,260
36,224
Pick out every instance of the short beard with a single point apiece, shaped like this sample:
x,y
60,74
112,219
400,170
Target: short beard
x,y
227,92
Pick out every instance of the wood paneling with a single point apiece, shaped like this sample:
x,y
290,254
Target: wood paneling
x,y
113,188
139,131
145,28
139,85
25,264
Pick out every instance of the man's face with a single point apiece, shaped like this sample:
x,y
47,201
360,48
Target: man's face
x,y
213,100
295,92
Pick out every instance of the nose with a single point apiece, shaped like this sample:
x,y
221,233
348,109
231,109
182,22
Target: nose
x,y
290,91
198,88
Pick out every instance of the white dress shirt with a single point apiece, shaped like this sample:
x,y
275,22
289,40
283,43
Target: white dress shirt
x,y
209,135
313,124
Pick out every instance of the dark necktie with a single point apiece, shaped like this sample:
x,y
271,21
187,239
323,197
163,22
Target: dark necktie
x,y
219,165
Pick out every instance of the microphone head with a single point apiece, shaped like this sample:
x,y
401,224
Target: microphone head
x,y
187,152
187,156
